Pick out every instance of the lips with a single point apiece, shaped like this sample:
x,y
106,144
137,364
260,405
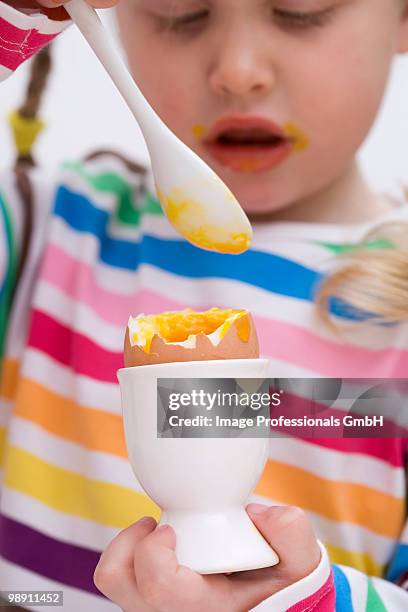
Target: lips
x,y
248,143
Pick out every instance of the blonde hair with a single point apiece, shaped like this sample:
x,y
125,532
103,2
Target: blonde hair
x,y
372,278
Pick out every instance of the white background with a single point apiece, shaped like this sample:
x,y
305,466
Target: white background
x,y
83,111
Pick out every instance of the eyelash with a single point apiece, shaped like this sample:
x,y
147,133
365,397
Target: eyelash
x,y
301,20
189,20
287,19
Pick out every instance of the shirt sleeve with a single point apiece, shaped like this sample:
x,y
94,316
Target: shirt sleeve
x,y
22,35
337,588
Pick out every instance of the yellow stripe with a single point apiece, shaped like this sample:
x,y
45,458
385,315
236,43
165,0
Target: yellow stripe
x,y
336,500
92,428
9,378
360,561
98,430
74,494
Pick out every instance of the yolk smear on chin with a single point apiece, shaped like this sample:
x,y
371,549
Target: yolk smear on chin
x,y
198,130
249,165
300,140
189,218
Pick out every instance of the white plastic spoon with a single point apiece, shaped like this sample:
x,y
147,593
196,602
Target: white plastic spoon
x,y
193,197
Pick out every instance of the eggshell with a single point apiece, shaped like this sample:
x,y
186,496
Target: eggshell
x,y
231,346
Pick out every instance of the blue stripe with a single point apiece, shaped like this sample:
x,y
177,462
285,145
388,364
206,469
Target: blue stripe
x,y
343,591
399,563
263,270
80,214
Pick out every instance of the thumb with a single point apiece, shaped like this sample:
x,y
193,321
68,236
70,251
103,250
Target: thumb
x,y
289,532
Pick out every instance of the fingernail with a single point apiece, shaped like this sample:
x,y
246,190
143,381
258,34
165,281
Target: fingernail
x,y
162,528
143,520
256,508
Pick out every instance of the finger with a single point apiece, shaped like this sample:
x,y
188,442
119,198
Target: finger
x,y
162,582
288,531
114,575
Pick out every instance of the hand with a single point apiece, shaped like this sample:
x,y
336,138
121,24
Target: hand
x,y
139,570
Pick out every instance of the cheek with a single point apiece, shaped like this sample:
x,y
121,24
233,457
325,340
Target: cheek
x,y
341,89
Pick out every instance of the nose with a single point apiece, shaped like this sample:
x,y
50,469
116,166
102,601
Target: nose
x,y
242,66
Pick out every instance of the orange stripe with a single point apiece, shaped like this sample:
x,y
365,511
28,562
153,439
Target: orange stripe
x,y
92,428
338,501
102,431
9,377
3,440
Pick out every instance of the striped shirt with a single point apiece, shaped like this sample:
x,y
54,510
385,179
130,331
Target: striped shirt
x,y
100,249
92,246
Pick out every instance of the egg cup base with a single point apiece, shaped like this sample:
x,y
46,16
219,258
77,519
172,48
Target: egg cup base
x,y
219,541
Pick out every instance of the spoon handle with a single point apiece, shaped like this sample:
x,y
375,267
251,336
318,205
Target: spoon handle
x,y
88,22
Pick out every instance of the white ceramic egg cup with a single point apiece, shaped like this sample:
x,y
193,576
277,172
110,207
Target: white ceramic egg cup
x,y
201,484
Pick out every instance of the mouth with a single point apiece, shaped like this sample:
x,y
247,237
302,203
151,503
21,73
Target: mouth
x,y
248,144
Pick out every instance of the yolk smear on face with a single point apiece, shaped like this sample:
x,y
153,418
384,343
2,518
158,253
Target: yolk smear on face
x,y
185,216
198,130
249,165
176,327
300,140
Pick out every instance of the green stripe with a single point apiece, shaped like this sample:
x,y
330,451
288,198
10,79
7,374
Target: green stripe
x,y
378,243
151,205
128,211
11,272
374,602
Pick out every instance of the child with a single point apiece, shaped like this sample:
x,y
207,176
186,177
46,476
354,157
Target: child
x,y
277,97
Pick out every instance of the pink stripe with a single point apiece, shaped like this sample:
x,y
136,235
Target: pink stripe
x,y
324,600
278,339
77,280
17,45
391,450
72,349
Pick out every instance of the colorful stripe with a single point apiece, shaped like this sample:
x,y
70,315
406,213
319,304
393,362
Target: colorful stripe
x,y
6,290
9,378
290,343
130,206
343,591
361,561
369,245
102,431
399,564
358,505
60,561
93,429
17,45
73,493
323,600
75,350
180,257
374,601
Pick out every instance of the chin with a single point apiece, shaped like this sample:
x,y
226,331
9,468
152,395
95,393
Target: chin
x,y
257,196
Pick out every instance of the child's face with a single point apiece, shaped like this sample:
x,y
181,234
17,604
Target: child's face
x,y
315,68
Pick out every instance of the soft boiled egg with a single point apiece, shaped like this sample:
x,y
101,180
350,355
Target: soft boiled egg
x,y
188,335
